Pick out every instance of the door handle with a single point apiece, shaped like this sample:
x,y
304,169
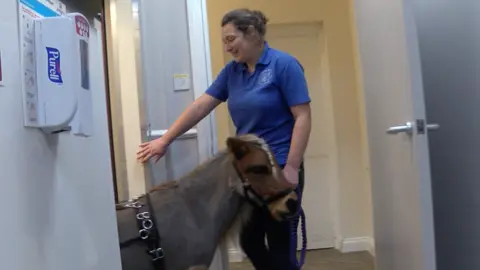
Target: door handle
x,y
407,128
191,133
433,126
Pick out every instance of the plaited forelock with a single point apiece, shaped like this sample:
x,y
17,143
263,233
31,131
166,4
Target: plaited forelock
x,y
264,146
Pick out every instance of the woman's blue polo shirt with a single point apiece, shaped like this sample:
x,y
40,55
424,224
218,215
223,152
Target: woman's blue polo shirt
x,y
260,102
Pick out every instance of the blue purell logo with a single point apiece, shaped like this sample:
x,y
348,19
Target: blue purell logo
x,y
54,71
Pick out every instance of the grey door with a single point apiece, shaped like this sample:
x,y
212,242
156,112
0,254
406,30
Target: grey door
x,y
449,39
164,52
397,135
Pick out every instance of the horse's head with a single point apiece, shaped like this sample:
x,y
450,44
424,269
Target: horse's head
x,y
263,180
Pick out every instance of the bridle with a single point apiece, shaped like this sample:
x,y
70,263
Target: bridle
x,y
256,199
147,230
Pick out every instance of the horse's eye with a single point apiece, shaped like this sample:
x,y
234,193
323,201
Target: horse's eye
x,y
258,169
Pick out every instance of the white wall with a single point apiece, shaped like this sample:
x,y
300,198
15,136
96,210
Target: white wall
x,y
56,197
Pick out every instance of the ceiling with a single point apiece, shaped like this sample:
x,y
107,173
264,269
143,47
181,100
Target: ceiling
x,y
89,8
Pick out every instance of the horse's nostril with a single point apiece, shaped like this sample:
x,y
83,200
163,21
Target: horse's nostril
x,y
292,206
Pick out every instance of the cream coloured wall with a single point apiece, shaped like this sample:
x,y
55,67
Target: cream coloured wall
x,y
125,96
353,210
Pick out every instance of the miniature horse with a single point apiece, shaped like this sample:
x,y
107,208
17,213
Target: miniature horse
x,y
178,225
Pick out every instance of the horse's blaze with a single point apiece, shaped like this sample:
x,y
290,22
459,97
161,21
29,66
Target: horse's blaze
x,y
285,206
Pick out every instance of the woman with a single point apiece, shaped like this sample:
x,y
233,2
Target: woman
x,y
267,95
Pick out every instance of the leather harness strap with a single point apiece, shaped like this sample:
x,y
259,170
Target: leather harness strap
x,y
147,231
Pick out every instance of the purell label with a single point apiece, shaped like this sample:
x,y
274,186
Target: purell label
x,y
54,72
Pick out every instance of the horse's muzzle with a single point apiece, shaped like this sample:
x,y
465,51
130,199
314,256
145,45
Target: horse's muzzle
x,y
286,207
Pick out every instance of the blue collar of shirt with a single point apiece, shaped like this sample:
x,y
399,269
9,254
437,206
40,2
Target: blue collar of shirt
x,y
266,57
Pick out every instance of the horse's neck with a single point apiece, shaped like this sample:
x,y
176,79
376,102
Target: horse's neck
x,y
211,185
210,173
207,189
201,209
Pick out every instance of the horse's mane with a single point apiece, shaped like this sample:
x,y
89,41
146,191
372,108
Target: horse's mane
x,y
172,184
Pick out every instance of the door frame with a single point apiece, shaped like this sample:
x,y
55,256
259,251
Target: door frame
x,y
201,72
103,29
201,78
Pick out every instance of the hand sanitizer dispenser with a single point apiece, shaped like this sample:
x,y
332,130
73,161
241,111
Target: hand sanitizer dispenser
x,y
62,71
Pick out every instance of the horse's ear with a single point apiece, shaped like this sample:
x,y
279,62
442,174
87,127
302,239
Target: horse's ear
x,y
238,147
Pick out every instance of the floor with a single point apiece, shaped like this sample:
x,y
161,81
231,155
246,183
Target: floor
x,y
328,259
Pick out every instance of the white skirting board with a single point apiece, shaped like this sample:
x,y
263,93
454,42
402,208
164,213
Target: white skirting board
x,y
356,244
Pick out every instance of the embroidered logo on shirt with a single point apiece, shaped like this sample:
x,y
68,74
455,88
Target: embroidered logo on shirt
x,y
265,77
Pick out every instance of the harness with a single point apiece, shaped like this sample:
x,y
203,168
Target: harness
x,y
147,231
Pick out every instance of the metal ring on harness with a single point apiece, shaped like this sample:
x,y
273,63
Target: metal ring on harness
x,y
157,254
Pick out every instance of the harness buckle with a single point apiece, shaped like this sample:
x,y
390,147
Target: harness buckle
x,y
157,254
133,204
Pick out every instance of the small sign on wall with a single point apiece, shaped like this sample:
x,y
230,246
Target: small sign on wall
x,y
181,82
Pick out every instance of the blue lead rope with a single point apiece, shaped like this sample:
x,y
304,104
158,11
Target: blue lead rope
x,y
293,232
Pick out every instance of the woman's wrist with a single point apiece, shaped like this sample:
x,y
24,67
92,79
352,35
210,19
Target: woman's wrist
x,y
293,165
166,140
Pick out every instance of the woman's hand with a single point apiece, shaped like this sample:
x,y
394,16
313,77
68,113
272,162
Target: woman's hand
x,y
291,175
156,149
189,118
